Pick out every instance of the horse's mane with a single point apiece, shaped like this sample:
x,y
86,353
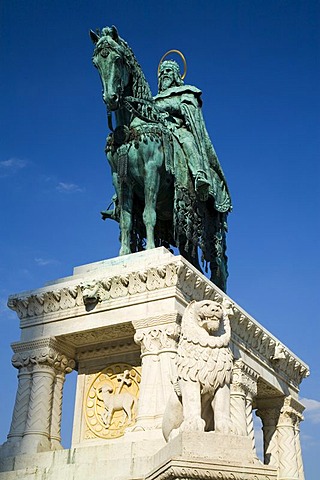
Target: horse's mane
x,y
140,87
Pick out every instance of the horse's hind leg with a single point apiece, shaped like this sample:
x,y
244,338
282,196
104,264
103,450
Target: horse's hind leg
x,y
151,189
125,219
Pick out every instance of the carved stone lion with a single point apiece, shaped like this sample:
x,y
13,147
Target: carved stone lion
x,y
91,292
203,367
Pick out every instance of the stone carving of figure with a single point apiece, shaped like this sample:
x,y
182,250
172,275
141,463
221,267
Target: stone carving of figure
x,y
204,361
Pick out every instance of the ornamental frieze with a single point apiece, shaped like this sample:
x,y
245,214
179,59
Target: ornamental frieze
x,y
97,293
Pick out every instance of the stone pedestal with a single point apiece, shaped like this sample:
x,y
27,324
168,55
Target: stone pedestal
x,y
117,322
209,455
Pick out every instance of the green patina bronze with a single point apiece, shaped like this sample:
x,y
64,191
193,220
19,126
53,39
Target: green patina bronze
x,y
170,188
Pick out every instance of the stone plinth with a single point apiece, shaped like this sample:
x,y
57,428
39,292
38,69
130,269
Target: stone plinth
x,y
117,322
209,455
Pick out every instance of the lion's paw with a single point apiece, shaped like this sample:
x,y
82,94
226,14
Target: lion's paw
x,y
224,426
193,424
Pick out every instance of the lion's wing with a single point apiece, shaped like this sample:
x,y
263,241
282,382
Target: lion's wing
x,y
188,358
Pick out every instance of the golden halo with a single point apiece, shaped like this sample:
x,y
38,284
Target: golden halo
x,y
183,59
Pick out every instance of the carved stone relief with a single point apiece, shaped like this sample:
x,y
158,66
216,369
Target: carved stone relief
x,y
203,363
111,399
246,332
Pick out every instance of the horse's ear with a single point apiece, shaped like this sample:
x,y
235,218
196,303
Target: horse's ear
x,y
114,33
94,37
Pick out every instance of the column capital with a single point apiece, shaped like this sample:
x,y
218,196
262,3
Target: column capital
x,y
291,411
157,338
244,378
45,352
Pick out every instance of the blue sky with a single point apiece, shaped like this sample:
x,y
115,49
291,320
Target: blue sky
x,y
258,66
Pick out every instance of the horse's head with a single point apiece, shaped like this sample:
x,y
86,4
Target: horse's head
x,y
110,59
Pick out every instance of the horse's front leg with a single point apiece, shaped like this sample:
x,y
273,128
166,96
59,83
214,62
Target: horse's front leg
x,y
125,201
151,189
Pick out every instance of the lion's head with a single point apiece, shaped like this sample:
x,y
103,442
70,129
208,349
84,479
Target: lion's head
x,y
209,315
206,321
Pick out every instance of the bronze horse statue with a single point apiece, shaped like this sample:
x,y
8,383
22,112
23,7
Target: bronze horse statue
x,y
153,204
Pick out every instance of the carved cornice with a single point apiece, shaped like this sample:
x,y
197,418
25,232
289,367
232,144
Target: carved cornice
x,y
248,333
175,273
190,284
46,302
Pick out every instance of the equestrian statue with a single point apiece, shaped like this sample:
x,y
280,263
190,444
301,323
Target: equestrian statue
x,y
170,189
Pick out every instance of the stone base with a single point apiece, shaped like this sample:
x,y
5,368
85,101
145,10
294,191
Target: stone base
x,y
115,460
197,455
190,455
125,313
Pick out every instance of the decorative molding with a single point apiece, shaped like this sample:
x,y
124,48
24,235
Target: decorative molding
x,y
291,412
39,343
95,290
45,352
244,378
251,335
246,332
115,348
100,335
265,390
173,317
155,339
186,469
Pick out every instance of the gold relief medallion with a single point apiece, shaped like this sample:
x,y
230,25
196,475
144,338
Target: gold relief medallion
x,y
111,400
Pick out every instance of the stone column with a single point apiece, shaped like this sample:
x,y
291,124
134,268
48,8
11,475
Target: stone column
x,y
158,350
238,402
20,411
243,390
269,415
251,394
36,417
290,462
63,365
36,436
298,449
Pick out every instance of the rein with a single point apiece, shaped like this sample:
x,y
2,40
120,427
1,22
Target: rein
x,y
146,110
